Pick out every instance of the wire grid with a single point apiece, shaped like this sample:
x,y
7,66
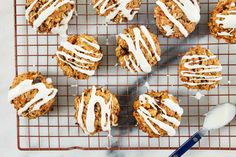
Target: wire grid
x,y
57,129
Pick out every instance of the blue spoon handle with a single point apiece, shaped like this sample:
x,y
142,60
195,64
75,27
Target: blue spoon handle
x,y
187,145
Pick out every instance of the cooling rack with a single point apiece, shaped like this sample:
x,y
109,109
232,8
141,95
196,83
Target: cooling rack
x,y
57,129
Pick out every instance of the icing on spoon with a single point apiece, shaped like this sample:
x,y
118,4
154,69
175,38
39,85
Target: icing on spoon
x,y
216,118
219,116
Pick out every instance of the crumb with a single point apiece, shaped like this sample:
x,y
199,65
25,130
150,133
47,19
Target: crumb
x,y
74,85
147,85
198,95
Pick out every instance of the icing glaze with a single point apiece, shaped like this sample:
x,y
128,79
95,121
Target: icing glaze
x,y
116,8
199,75
140,64
224,33
95,45
172,18
29,9
49,80
144,98
49,10
190,9
172,105
168,29
43,96
232,4
227,22
88,126
62,28
83,60
219,116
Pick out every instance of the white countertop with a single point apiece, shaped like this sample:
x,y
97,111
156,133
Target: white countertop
x,y
8,120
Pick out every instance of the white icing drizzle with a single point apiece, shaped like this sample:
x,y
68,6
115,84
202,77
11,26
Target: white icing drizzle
x,y
82,57
43,96
227,22
144,98
172,105
127,65
135,48
29,9
190,9
232,4
168,29
89,127
95,45
45,5
60,28
224,33
49,80
172,18
199,75
120,6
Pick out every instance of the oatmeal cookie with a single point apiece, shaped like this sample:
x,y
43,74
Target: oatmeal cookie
x,y
50,16
222,24
138,49
32,94
200,69
117,10
96,110
79,56
177,18
157,113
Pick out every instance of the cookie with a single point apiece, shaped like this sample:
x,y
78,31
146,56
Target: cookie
x,y
200,69
157,113
222,24
138,49
96,110
177,18
32,94
117,11
49,16
79,56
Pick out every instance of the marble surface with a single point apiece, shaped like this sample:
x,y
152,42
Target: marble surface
x,y
8,122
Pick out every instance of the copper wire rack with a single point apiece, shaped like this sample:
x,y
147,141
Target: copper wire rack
x,y
57,130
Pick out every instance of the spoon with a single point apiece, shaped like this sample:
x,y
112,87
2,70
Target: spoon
x,y
216,118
